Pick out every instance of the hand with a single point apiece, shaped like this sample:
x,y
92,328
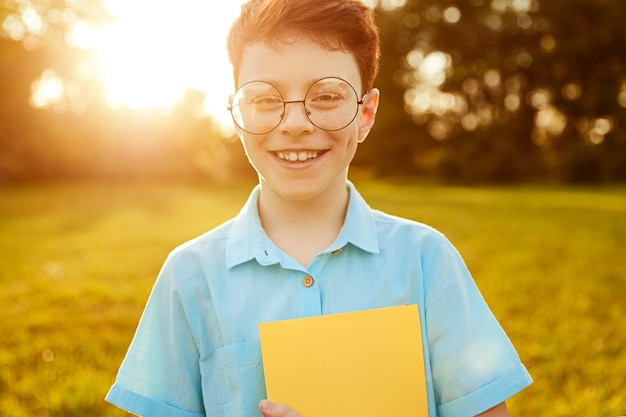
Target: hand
x,y
270,409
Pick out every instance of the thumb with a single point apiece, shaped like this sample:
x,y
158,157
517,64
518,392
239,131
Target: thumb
x,y
270,409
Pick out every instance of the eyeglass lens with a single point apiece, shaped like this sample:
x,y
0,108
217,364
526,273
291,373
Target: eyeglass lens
x,y
330,104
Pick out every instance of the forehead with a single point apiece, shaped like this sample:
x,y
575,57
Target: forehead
x,y
294,64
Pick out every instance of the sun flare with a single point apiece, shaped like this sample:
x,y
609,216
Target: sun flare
x,y
155,50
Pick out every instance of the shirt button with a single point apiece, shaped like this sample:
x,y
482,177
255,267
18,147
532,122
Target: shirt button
x,y
308,281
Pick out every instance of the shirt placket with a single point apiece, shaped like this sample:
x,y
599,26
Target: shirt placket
x,y
310,297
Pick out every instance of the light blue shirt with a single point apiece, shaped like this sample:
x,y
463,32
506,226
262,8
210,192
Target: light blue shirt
x,y
196,351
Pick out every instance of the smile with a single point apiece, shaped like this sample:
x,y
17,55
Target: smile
x,y
301,156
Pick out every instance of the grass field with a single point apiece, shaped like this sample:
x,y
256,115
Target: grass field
x,y
77,262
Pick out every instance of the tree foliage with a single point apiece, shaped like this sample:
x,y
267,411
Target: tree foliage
x,y
78,135
502,90
479,90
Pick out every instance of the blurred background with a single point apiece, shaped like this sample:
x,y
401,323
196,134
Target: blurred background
x,y
476,91
502,124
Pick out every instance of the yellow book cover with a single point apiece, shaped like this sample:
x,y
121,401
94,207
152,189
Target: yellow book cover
x,y
366,363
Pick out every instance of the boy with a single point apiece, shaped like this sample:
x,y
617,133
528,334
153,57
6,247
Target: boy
x,y
306,243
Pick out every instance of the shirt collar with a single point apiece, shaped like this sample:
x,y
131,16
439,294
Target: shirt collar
x,y
247,240
359,227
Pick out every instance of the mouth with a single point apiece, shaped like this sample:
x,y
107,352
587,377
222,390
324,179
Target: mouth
x,y
298,156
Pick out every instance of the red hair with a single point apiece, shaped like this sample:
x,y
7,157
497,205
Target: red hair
x,y
346,25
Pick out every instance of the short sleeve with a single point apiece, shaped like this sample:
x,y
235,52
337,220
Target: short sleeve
x,y
160,374
474,365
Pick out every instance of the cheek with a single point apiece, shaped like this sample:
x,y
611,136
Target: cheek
x,y
347,143
251,143
348,136
249,149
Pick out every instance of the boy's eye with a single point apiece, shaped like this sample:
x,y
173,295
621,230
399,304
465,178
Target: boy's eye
x,y
266,103
326,100
266,100
326,97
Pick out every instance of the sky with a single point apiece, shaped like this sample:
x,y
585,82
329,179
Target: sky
x,y
155,50
152,52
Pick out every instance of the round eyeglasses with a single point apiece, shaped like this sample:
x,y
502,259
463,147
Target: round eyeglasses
x,y
330,104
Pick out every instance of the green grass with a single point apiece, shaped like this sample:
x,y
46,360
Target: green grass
x,y
77,262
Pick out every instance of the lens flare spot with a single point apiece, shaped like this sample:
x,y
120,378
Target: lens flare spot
x,y
47,355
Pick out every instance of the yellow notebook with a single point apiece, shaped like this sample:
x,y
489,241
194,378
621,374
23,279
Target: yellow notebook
x,y
365,364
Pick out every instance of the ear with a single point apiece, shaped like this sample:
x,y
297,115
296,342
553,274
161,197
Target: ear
x,y
368,113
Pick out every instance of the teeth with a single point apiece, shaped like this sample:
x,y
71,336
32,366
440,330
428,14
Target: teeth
x,y
297,156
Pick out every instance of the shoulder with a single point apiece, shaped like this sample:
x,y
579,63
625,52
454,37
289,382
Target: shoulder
x,y
393,234
403,229
414,241
189,266
209,244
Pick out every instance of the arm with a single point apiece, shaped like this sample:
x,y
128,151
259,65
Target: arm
x,y
497,411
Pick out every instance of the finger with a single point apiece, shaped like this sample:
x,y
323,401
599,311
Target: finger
x,y
270,409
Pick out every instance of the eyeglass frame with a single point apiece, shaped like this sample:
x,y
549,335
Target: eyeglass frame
x,y
307,112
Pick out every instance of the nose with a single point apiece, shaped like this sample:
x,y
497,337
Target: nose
x,y
295,119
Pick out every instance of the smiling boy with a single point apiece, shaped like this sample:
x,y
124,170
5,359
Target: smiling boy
x,y
306,243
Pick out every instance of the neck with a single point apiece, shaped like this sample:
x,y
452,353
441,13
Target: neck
x,y
303,228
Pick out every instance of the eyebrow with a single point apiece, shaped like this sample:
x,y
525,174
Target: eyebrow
x,y
281,86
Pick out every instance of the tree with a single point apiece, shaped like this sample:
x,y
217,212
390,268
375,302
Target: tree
x,y
33,46
54,119
475,90
508,89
